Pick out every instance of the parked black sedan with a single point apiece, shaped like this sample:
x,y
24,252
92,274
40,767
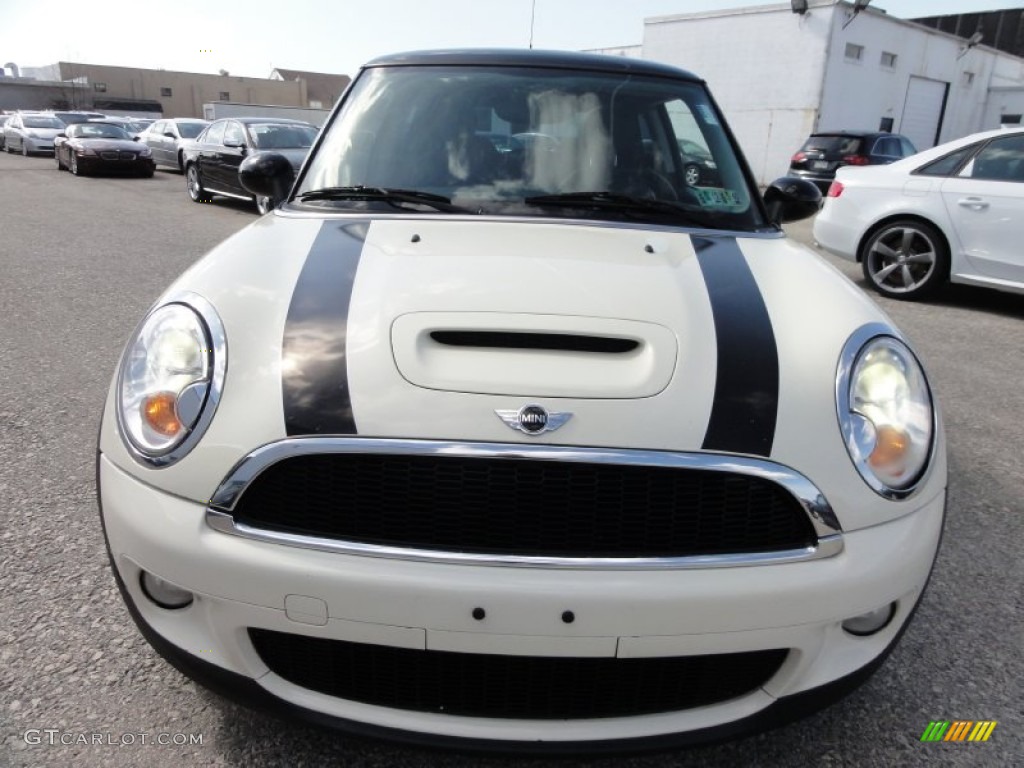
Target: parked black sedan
x,y
699,168
212,160
90,147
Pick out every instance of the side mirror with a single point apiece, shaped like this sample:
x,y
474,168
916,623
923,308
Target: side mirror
x,y
233,143
62,135
169,135
267,174
136,138
791,199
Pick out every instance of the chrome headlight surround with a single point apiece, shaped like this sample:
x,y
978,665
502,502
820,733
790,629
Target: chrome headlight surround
x,y
194,394
881,389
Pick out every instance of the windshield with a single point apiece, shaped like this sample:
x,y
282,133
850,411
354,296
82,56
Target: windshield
x,y
42,122
97,131
281,135
190,130
509,140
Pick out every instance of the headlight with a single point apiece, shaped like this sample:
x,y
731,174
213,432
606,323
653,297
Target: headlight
x,y
146,152
885,411
170,380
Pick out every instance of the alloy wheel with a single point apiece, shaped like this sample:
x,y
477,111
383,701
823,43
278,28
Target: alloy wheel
x,y
905,259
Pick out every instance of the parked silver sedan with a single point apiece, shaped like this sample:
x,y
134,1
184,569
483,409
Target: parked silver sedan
x,y
30,133
165,138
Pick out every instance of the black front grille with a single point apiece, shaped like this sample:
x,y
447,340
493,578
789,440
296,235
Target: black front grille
x,y
520,687
524,507
113,154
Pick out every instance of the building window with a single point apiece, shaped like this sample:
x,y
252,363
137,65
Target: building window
x,y
166,92
99,87
888,60
1009,119
854,52
968,80
885,125
224,96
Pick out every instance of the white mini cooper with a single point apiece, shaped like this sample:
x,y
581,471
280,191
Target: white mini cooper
x,y
503,432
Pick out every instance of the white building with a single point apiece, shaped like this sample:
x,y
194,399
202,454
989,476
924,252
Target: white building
x,y
779,75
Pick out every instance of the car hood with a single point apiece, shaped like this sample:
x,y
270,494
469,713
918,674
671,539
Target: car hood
x,y
108,144
42,133
427,327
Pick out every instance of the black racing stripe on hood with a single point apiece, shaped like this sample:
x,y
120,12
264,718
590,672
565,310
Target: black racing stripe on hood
x,y
314,379
747,384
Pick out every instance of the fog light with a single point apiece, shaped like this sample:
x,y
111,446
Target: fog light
x,y
871,622
163,593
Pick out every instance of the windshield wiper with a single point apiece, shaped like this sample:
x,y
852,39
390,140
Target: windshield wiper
x,y
627,203
384,194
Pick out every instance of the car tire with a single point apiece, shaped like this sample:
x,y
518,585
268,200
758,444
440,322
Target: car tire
x,y
905,259
75,168
24,149
194,185
181,162
691,174
60,165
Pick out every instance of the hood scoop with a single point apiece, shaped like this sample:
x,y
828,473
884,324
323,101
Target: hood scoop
x,y
562,342
532,355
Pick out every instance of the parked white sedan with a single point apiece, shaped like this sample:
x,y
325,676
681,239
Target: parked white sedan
x,y
954,212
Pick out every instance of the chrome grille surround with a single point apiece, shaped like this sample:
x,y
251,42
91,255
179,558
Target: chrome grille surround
x,y
219,514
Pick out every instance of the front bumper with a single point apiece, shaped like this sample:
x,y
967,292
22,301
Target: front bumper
x,y
33,146
93,163
240,584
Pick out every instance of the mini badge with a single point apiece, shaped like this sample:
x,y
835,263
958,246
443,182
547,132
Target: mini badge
x,y
533,419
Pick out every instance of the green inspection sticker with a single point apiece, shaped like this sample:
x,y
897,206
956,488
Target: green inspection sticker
x,y
716,197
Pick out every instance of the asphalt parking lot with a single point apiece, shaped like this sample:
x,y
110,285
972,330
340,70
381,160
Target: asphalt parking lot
x,y
81,259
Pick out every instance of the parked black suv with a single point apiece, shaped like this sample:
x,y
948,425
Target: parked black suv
x,y
823,152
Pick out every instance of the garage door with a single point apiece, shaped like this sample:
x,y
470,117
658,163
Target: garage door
x,y
922,111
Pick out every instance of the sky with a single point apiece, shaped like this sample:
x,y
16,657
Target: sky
x,y
253,37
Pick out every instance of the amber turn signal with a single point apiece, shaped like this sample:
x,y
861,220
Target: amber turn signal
x,y
890,451
159,413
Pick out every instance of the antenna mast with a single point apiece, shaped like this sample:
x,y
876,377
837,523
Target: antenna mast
x,y
533,15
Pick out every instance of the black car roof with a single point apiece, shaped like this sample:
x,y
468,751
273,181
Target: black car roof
x,y
516,57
